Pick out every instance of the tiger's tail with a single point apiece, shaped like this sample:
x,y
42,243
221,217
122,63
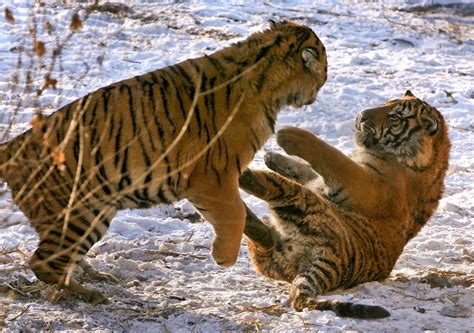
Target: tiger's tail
x,y
348,309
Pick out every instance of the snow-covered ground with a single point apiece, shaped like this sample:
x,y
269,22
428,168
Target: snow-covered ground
x,y
168,281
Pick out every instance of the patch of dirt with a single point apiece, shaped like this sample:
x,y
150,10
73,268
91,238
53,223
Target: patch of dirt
x,y
273,310
193,218
438,279
168,16
118,9
462,9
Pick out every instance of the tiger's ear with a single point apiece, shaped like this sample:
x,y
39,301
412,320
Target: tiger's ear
x,y
429,122
409,93
274,25
309,56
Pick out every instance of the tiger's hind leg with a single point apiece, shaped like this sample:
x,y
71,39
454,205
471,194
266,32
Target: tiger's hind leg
x,y
262,240
59,271
288,167
304,290
261,234
61,249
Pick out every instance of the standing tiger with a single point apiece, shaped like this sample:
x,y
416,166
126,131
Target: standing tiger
x,y
183,131
341,221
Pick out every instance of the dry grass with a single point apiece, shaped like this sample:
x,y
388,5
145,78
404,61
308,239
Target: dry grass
x,y
39,64
438,278
272,310
167,16
453,21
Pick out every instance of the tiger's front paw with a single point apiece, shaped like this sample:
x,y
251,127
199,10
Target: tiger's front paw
x,y
290,168
293,140
281,164
225,254
249,182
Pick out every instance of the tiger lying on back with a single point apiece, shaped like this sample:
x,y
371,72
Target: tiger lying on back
x,y
184,131
351,221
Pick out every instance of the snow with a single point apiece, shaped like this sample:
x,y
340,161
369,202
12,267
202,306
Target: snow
x,y
167,279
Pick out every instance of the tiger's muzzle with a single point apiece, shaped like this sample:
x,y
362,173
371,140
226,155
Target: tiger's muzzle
x,y
365,134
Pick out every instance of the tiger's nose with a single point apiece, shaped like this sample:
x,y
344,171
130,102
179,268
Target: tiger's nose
x,y
375,115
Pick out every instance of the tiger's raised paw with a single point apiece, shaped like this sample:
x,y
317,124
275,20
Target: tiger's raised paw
x,y
294,140
290,168
250,182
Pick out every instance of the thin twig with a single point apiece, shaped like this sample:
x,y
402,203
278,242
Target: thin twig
x,y
14,289
20,314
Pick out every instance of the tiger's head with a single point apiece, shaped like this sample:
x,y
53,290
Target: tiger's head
x,y
406,128
299,63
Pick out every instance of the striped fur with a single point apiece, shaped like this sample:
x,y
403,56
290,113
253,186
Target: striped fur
x,y
341,221
184,131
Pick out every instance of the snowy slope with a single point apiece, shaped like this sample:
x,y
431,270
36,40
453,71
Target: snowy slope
x,y
168,281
